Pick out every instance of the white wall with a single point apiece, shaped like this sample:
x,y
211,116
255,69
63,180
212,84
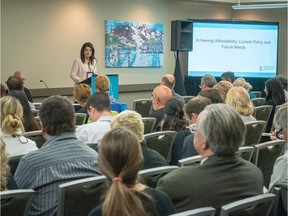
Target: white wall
x,y
43,37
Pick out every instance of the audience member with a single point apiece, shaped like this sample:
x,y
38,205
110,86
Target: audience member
x,y
223,87
238,98
3,90
12,128
102,84
212,94
279,177
283,80
161,94
61,159
14,86
7,180
207,82
81,93
228,76
98,108
120,160
21,75
169,81
242,82
133,121
274,96
192,110
222,177
173,116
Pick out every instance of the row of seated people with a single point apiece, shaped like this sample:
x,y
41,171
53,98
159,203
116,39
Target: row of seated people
x,y
64,158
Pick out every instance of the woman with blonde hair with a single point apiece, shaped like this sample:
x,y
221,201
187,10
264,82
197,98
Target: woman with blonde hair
x,y
12,128
120,160
7,180
242,82
102,84
239,99
223,87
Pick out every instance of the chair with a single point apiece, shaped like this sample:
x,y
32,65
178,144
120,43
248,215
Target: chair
x,y
254,132
79,197
151,176
265,157
257,93
16,202
80,118
142,106
37,105
187,98
93,146
149,123
276,109
263,113
258,101
194,160
205,211
246,152
279,207
13,163
35,136
161,142
256,205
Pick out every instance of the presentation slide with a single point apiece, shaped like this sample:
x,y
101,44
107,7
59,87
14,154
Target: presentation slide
x,y
247,49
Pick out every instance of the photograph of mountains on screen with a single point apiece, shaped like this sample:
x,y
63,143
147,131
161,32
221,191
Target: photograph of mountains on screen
x,y
133,44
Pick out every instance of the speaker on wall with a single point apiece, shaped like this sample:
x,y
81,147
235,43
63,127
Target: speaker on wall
x,y
181,35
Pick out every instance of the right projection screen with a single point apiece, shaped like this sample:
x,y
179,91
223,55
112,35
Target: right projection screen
x,y
249,49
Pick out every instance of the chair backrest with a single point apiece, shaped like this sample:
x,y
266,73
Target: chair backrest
x,y
142,106
81,118
151,176
187,98
93,146
37,105
161,142
246,152
257,93
263,113
265,156
254,132
194,160
258,101
149,123
279,207
16,202
256,205
35,136
276,109
13,163
81,196
205,211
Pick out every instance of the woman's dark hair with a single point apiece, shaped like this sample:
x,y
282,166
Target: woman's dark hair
x,y
29,122
283,80
87,44
275,91
212,94
120,157
174,116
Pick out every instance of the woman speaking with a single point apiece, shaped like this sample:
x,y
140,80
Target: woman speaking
x,y
84,65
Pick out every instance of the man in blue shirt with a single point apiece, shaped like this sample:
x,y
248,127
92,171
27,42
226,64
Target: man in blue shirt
x,y
61,159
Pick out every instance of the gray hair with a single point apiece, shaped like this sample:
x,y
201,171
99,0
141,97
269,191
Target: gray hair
x,y
280,119
223,129
209,80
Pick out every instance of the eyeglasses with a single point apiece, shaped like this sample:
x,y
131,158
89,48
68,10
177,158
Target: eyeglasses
x,y
200,85
278,135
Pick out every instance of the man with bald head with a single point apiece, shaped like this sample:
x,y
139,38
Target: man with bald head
x,y
161,94
169,81
21,75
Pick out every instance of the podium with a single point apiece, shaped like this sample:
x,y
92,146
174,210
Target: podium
x,y
114,86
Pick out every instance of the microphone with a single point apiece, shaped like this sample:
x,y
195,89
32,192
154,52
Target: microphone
x,y
46,87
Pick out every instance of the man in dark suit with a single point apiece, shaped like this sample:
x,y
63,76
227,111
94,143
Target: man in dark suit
x,y
221,177
21,75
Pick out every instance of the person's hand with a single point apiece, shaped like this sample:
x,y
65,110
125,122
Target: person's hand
x,y
274,135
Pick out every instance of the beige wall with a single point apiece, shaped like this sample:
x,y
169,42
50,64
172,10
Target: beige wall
x,y
43,37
